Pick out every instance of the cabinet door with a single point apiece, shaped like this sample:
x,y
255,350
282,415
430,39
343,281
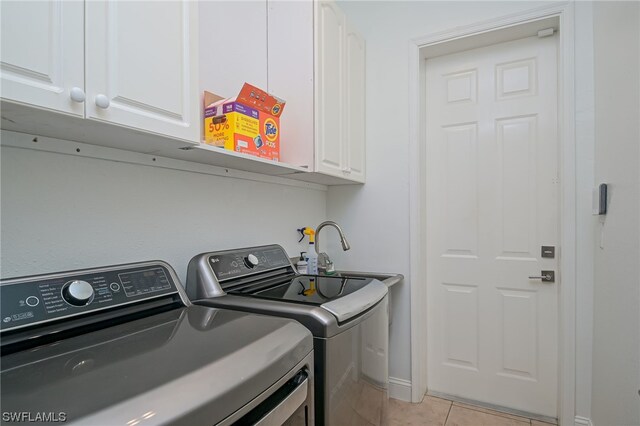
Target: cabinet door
x,y
233,45
141,65
329,60
355,106
290,65
42,55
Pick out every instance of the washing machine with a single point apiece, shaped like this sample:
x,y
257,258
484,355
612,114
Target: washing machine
x,y
347,315
122,345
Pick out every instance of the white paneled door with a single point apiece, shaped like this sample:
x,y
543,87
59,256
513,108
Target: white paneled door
x,y
492,203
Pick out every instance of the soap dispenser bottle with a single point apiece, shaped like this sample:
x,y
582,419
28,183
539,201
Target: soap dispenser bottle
x,y
301,265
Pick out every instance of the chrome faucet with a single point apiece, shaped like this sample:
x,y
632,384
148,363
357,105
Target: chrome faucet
x,y
325,265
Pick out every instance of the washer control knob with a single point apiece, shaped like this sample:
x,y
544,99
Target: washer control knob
x,y
78,293
251,261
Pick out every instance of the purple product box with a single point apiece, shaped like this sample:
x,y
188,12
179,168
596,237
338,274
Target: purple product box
x,y
226,108
242,109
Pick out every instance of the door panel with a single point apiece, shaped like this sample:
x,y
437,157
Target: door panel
x,y
461,326
516,138
43,53
461,199
492,202
519,348
143,57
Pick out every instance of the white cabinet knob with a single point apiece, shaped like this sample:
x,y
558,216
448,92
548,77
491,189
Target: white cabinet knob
x,y
102,101
346,170
77,94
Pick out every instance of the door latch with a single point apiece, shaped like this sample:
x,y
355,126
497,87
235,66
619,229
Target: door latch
x,y
548,252
545,276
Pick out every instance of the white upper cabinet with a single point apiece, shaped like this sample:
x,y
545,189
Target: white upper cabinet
x,y
130,75
142,65
330,89
42,56
355,105
340,95
312,58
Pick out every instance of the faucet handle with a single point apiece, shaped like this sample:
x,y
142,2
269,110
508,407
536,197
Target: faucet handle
x,y
329,268
323,259
325,264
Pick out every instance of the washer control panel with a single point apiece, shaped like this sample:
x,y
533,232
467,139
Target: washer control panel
x,y
30,300
237,263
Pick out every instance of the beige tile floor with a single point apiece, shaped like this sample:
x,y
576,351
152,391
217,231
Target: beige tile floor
x,y
434,411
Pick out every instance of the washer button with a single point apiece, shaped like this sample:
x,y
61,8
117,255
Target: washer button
x,y
32,301
114,287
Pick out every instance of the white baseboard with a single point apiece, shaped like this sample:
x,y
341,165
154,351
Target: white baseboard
x,y
582,421
400,389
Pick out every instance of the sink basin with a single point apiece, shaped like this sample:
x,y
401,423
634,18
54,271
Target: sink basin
x,y
387,278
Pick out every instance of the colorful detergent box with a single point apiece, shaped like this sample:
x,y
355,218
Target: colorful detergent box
x,y
256,98
237,126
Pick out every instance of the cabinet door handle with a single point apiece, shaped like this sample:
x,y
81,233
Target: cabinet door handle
x,y
102,101
77,94
346,170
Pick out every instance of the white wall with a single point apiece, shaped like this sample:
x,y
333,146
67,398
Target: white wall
x,y
616,348
62,212
376,216
585,221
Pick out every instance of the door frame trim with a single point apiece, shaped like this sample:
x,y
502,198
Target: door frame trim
x,y
564,11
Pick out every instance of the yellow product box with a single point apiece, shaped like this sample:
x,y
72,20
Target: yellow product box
x,y
240,128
